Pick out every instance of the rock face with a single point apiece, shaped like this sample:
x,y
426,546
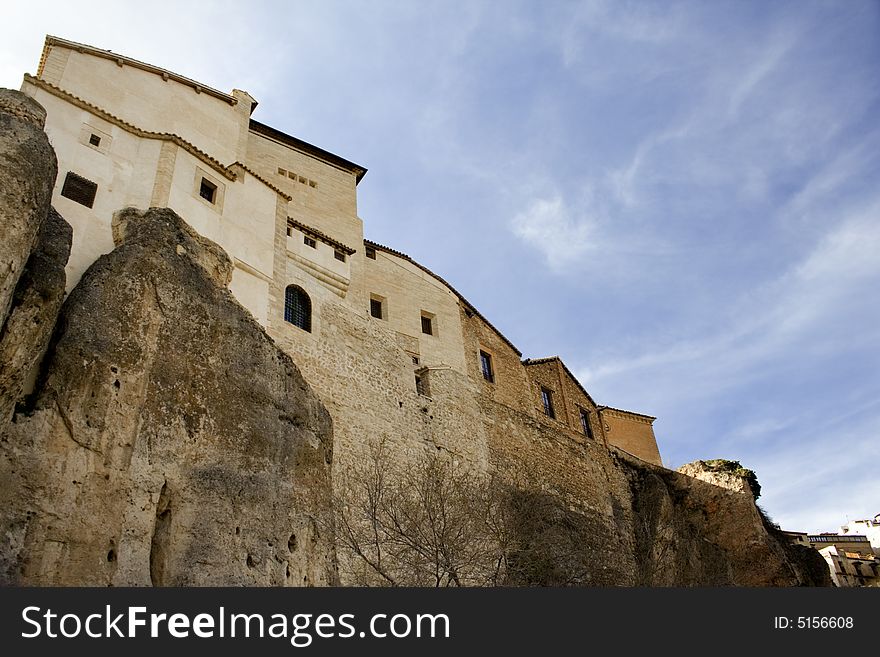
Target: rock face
x,y
29,168
169,441
35,306
587,516
34,247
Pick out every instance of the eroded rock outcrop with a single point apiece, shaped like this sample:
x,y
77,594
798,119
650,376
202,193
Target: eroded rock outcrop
x,y
34,244
28,167
588,516
169,441
35,307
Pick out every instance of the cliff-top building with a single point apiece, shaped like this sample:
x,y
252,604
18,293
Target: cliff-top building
x,y
393,350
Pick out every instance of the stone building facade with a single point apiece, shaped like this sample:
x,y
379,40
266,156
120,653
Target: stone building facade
x,y
392,349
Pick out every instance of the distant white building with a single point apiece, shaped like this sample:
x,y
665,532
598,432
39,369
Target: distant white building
x,y
851,568
869,528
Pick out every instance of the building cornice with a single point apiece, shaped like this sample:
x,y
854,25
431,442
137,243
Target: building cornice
x,y
318,235
226,171
122,60
618,412
308,149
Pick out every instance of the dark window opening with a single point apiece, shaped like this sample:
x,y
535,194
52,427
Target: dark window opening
x,y
339,255
207,190
308,241
95,140
371,253
486,366
376,308
298,308
289,231
415,360
422,385
585,424
547,398
78,189
427,325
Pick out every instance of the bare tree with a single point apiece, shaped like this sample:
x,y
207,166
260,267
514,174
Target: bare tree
x,y
434,523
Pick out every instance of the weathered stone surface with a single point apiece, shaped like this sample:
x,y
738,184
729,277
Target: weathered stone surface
x,y
596,517
724,473
35,306
28,167
170,441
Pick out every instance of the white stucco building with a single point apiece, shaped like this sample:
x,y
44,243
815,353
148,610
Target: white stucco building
x,y
374,331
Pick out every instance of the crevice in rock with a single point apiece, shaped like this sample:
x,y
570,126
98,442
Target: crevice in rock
x,y
161,538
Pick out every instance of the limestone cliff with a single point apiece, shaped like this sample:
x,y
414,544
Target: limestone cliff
x,y
169,442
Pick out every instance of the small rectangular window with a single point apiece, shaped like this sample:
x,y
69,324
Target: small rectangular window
x,y
94,140
427,325
371,252
422,384
585,424
547,398
78,189
415,360
339,255
486,366
376,308
303,179
282,172
289,231
291,175
312,183
308,241
207,190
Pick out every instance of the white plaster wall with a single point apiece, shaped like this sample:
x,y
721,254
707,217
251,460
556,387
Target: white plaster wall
x,y
408,291
252,292
124,175
151,103
244,226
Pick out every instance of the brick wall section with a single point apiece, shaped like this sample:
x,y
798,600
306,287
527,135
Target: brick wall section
x,y
575,400
511,386
631,432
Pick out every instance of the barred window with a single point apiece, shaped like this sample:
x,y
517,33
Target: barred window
x,y
298,308
486,366
547,398
585,423
208,190
78,189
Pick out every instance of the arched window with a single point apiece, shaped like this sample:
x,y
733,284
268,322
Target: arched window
x,y
298,307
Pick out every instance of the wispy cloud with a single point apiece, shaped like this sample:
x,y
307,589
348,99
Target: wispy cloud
x,y
550,224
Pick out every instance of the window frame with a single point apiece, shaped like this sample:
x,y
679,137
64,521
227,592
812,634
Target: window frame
x,y
585,423
547,402
211,187
79,189
299,315
486,367
432,326
380,302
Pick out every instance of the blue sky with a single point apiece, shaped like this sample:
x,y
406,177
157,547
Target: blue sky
x,y
682,200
